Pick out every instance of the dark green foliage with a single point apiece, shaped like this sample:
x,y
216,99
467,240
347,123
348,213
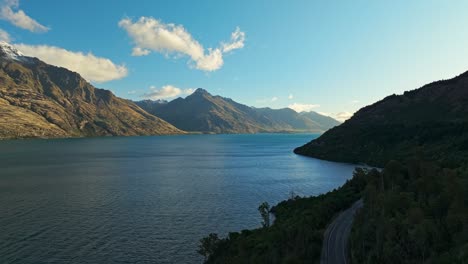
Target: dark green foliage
x,y
430,123
375,143
296,234
208,245
264,210
413,213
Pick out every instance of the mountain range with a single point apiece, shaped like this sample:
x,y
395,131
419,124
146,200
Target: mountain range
x,y
45,101
206,113
41,100
430,122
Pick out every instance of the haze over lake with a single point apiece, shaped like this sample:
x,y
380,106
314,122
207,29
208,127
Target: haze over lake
x,y
145,199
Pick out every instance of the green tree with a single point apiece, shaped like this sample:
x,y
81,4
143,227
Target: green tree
x,y
208,245
264,210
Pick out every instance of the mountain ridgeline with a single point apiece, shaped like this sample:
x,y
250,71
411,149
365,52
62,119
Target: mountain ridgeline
x,y
203,112
429,123
41,100
415,208
38,100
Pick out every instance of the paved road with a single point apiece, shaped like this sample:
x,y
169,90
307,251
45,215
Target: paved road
x,y
335,243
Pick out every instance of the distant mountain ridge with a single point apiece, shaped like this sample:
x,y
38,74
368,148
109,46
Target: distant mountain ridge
x,y
429,122
325,122
41,100
203,112
45,101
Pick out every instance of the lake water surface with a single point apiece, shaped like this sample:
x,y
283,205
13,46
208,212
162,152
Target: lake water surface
x,y
145,199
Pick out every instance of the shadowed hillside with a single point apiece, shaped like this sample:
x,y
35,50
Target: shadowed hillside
x,y
203,112
430,122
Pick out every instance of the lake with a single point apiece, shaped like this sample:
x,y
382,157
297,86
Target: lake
x,y
145,199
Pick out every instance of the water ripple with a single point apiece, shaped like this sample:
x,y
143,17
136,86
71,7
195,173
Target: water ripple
x,y
144,199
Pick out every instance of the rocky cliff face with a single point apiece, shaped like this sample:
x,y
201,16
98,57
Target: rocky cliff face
x,y
41,100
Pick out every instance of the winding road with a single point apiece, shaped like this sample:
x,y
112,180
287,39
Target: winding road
x,y
335,243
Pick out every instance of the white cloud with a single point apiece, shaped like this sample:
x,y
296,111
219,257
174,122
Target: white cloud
x,y
9,11
343,116
189,91
150,34
137,51
354,101
132,92
303,107
92,68
165,92
237,41
290,96
4,36
211,62
325,113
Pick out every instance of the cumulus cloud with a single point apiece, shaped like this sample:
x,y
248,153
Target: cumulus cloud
x,y
237,41
343,116
150,34
210,62
165,92
303,107
4,36
137,51
290,96
9,11
92,68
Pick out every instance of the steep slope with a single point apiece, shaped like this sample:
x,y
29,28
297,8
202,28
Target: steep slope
x,y
41,100
290,119
206,113
430,122
325,122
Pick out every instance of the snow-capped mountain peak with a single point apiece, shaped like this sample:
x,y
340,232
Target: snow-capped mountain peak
x,y
10,52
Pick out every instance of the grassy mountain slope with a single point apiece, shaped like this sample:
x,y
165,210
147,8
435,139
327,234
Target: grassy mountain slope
x,y
41,100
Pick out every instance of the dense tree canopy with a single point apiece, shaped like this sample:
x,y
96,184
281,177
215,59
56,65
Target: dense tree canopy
x,y
413,213
296,234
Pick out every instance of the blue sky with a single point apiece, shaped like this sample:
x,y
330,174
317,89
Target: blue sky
x,y
329,56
